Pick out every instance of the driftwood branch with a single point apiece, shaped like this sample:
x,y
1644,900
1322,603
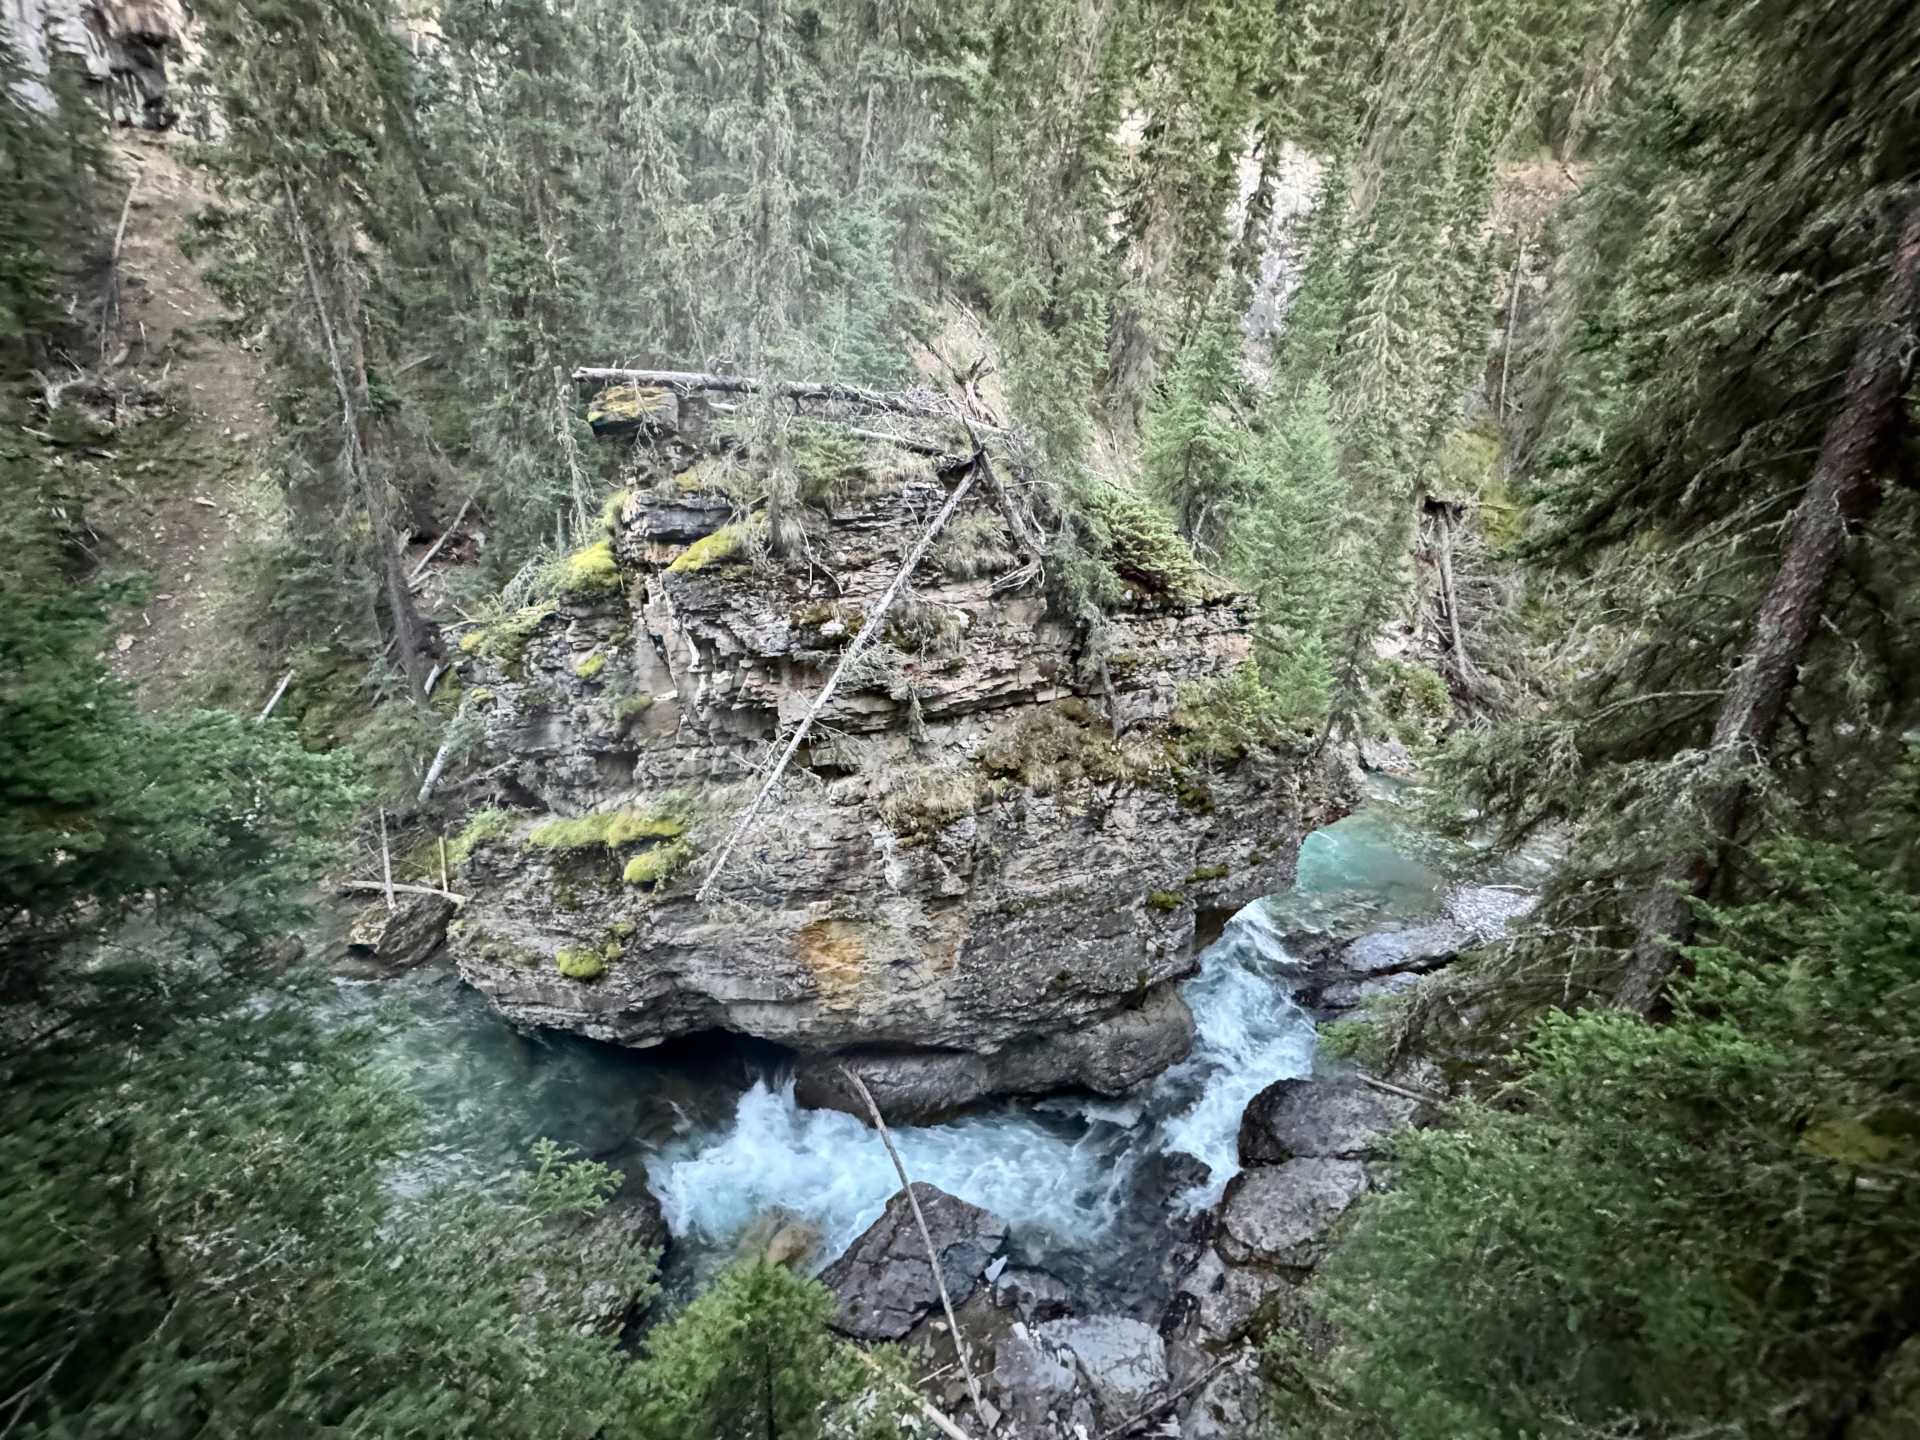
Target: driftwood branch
x,y
1166,1402
901,442
940,1422
386,859
828,390
926,1238
279,690
853,652
434,549
379,886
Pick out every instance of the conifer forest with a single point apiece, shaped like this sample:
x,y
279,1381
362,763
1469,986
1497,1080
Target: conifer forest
x,y
1044,719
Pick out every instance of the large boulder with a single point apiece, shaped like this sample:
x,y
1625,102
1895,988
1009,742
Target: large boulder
x,y
884,1283
983,875
1033,1382
407,935
1280,1216
1122,1362
1338,1118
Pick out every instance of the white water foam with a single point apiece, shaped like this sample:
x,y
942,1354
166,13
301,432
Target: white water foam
x,y
1250,1035
1055,1179
1060,1170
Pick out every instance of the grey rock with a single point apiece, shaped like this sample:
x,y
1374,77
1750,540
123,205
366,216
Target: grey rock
x,y
405,936
1386,757
1342,996
1034,1293
609,1253
1222,1302
961,892
1122,1362
1031,1380
1421,948
1280,1216
883,1282
1109,1057
1234,1404
1334,1118
1489,910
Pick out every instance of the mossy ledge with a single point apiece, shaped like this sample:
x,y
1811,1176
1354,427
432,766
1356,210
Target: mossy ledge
x,y
610,829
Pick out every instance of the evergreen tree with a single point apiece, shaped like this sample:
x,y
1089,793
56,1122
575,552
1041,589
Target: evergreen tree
x,y
1189,458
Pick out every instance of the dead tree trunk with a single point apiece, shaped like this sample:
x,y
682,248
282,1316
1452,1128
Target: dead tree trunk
x,y
1843,493
788,389
408,628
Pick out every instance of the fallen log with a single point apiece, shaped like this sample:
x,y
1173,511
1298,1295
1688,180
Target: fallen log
x,y
829,390
379,886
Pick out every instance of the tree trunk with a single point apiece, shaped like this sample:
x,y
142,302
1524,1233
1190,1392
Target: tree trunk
x,y
1843,493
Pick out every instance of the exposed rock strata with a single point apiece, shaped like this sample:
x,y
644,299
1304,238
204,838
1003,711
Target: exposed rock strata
x,y
969,886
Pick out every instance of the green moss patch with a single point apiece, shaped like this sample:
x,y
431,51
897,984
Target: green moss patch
x,y
1200,875
610,829
1061,744
1165,899
591,666
726,545
658,865
613,511
482,826
589,571
503,638
578,963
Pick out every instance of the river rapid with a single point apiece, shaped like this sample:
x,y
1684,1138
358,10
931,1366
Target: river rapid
x,y
1088,1186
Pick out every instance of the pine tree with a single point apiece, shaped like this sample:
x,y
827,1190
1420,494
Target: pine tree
x,y
1190,444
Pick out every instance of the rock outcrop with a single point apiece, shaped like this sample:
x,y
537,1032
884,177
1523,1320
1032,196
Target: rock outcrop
x,y
985,870
884,1283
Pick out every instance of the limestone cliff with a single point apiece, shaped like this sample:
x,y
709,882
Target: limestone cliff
x,y
970,885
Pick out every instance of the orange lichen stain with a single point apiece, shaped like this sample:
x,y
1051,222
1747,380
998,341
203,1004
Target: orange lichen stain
x,y
836,954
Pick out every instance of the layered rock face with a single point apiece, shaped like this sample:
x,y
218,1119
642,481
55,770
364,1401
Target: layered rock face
x,y
969,884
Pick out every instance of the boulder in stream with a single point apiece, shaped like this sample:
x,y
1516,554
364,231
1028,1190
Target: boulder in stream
x,y
1336,1118
883,1282
405,936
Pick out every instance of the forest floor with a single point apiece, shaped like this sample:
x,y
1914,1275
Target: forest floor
x,y
186,500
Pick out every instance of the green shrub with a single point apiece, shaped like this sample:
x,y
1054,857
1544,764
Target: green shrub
x,y
1699,1226
1166,899
1201,874
926,798
1224,719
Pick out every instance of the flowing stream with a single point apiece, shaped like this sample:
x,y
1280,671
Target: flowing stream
x,y
713,1128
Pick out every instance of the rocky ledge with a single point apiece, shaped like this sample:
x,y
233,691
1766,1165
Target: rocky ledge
x,y
985,870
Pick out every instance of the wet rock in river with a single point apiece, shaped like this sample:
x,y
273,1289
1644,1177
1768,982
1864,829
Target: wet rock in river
x,y
1340,1118
1036,1294
883,1282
